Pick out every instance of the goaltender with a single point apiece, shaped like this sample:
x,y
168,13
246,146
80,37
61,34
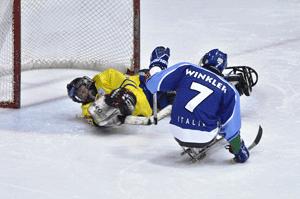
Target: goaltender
x,y
110,96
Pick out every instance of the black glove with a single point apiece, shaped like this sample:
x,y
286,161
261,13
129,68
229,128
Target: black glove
x,y
123,99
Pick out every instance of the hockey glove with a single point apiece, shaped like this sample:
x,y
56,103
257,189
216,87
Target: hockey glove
x,y
123,99
241,154
159,59
103,114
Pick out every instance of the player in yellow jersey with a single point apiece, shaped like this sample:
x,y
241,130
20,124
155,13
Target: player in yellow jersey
x,y
110,95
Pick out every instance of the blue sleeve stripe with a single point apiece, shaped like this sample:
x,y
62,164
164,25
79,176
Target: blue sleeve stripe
x,y
233,124
236,98
164,76
152,83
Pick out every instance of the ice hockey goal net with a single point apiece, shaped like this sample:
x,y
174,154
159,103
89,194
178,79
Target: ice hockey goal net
x,y
91,34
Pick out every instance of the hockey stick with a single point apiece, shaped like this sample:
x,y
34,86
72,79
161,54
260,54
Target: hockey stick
x,y
138,120
257,138
155,108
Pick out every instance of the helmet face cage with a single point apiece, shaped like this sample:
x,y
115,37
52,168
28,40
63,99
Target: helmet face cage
x,y
214,58
75,85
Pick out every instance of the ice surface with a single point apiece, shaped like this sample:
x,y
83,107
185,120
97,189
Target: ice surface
x,y
46,152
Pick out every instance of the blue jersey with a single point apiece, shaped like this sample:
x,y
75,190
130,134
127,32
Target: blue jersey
x,y
204,101
162,98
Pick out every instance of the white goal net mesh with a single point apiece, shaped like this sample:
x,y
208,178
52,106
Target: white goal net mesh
x,y
91,34
6,49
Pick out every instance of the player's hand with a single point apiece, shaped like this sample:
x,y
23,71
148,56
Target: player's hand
x,y
123,99
160,57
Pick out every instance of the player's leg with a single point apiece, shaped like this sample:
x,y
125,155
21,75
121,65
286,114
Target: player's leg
x,y
192,138
194,142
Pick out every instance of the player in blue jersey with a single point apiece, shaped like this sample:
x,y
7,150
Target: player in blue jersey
x,y
205,104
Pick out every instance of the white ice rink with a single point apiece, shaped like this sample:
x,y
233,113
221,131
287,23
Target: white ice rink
x,y
48,153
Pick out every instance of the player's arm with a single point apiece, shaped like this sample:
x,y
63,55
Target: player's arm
x,y
85,113
120,91
159,59
111,109
168,79
123,99
109,80
115,98
231,124
230,115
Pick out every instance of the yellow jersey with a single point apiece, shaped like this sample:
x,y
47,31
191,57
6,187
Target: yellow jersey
x,y
111,79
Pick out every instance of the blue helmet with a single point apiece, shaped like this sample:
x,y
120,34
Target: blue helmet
x,y
215,59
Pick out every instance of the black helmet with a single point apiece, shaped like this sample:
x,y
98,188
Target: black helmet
x,y
75,84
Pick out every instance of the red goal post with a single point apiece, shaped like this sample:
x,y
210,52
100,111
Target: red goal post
x,y
83,34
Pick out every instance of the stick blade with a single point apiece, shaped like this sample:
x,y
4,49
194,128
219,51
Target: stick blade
x,y
259,135
257,138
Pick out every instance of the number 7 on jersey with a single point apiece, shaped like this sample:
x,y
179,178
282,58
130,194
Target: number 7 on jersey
x,y
204,92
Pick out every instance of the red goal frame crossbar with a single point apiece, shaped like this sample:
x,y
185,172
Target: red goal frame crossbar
x,y
16,27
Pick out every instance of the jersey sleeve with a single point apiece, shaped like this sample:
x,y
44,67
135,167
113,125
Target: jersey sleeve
x,y
167,80
230,115
85,112
142,107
